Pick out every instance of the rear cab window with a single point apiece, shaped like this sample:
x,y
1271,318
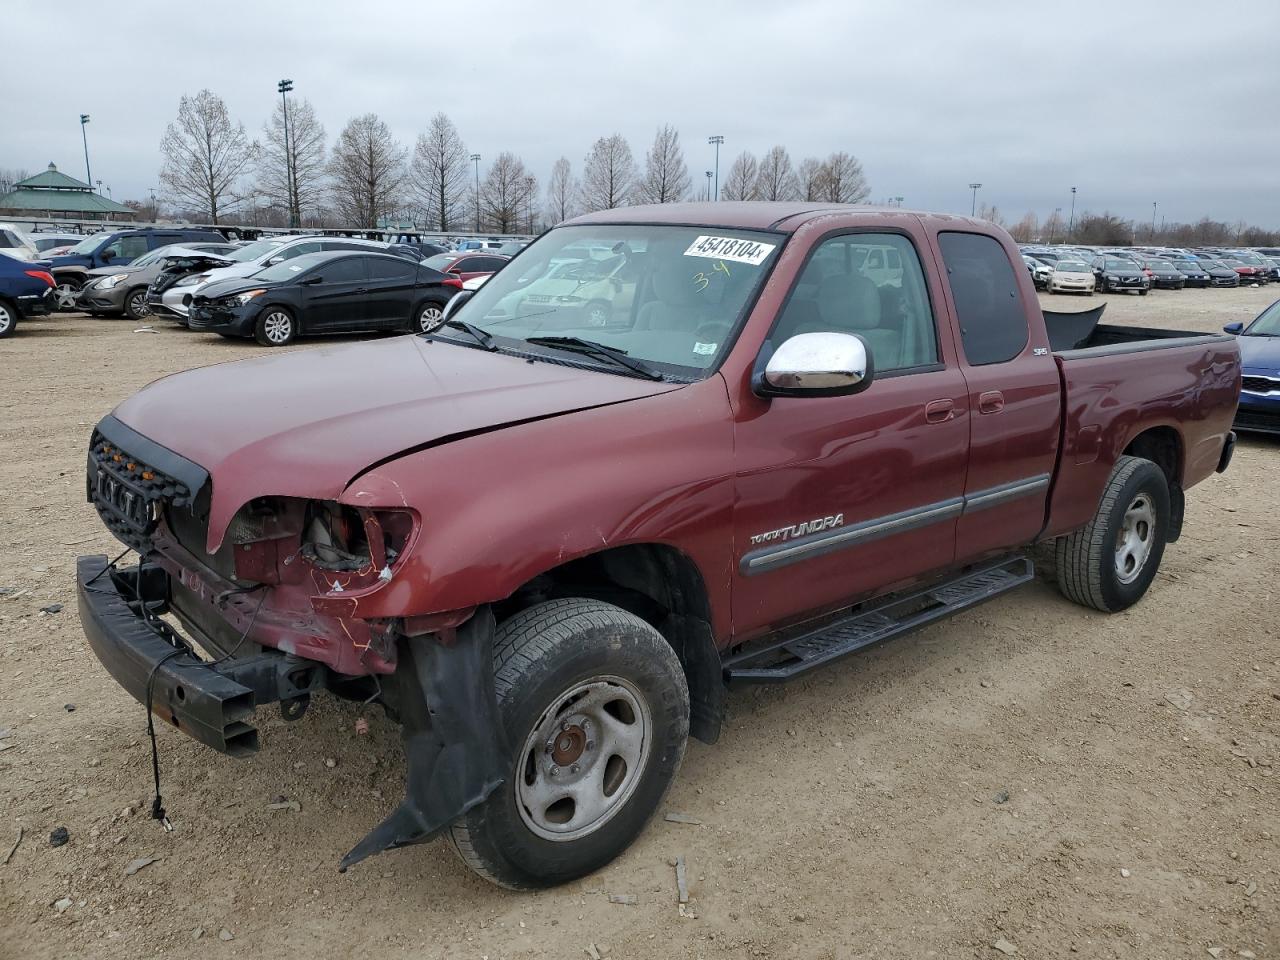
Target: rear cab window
x,y
984,288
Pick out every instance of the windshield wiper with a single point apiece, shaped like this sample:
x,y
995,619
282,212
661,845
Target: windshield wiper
x,y
480,336
591,348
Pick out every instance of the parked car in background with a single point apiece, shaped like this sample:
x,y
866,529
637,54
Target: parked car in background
x,y
52,244
1164,275
15,243
324,293
26,290
1259,410
1220,275
1194,272
1275,268
512,247
1262,267
1072,276
466,265
471,246
118,248
1039,270
1247,272
123,290
1116,275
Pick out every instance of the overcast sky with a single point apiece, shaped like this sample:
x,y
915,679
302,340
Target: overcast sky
x,y
1170,102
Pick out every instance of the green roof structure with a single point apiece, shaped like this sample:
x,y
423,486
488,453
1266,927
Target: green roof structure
x,y
54,194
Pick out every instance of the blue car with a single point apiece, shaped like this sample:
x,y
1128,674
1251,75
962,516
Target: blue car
x,y
1259,410
26,290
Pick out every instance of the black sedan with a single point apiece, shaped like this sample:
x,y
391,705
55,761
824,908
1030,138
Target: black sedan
x,y
1220,275
1196,275
1115,276
319,293
1165,275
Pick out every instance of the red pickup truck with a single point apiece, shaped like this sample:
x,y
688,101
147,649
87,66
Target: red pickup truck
x,y
549,536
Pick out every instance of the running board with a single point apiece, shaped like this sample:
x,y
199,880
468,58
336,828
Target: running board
x,y
784,659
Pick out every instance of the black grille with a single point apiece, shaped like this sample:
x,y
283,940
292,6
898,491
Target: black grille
x,y
1257,422
129,493
1260,385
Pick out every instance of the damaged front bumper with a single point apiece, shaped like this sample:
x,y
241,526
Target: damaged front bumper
x,y
442,692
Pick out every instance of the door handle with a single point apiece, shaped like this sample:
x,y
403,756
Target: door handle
x,y
939,411
362,290
991,402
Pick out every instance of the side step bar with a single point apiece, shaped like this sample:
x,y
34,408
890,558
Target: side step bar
x,y
779,660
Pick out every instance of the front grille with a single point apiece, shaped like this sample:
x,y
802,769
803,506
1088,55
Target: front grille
x,y
1257,422
1260,385
129,493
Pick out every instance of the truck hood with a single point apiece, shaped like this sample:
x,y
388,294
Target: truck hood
x,y
1260,355
306,424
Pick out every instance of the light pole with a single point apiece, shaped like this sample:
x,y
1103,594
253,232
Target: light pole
x,y
475,158
88,177
1056,219
99,188
717,140
1154,205
1071,221
973,208
290,188
708,184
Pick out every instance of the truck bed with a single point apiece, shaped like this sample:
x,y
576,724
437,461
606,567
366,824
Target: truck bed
x,y
1081,333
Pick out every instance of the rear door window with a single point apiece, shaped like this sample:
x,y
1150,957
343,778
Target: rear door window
x,y
989,309
381,268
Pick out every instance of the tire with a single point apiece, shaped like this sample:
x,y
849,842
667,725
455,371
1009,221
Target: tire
x,y
65,292
428,316
1090,560
1143,292
542,657
276,327
598,313
135,304
8,319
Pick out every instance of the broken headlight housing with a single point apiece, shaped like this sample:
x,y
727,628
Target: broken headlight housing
x,y
343,539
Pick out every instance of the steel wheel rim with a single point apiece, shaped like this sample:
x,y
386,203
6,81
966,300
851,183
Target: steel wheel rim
x,y
138,305
583,759
65,294
597,316
1135,538
278,327
430,318
6,319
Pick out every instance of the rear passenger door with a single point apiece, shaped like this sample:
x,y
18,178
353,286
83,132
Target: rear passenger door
x,y
391,290
1013,392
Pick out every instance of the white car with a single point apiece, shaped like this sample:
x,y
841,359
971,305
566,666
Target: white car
x,y
248,260
1071,276
15,243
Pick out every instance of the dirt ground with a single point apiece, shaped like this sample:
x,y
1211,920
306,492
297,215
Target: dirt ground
x,y
1071,783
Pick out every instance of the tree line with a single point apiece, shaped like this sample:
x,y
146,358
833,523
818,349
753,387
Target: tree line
x,y
212,169
1107,229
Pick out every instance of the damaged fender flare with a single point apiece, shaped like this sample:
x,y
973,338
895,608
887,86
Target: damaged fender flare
x,y
454,741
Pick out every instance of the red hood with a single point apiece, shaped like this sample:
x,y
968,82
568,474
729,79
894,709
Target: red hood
x,y
305,424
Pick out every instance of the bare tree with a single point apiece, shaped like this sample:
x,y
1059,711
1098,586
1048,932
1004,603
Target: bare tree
x,y
439,174
740,184
666,177
1026,229
503,195
562,191
204,154
775,179
9,177
609,174
843,180
367,168
1054,227
809,178
301,154
991,213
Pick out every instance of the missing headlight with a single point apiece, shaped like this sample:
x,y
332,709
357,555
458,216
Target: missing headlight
x,y
342,538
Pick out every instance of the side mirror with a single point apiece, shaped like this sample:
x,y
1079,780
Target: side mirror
x,y
274,260
107,256
457,300
454,270
311,281
1234,328
816,365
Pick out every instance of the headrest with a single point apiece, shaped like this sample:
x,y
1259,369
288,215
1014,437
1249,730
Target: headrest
x,y
849,302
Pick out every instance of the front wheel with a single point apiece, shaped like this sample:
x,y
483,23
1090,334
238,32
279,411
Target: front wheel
x,y
8,319
599,313
135,304
1110,562
596,710
276,327
65,293
1143,292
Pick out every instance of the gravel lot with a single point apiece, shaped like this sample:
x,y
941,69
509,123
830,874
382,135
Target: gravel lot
x,y
1071,783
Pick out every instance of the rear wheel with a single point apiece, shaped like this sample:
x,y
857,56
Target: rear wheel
x,y
430,316
135,304
65,293
276,327
1143,292
8,319
1110,562
596,710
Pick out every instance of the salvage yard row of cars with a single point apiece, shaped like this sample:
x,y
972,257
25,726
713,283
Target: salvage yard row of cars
x,y
1089,270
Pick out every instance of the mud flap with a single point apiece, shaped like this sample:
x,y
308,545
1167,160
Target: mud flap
x,y
454,741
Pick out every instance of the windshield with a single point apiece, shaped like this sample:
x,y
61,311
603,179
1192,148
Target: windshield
x,y
1071,266
1120,265
89,244
666,295
291,268
440,261
1267,324
254,250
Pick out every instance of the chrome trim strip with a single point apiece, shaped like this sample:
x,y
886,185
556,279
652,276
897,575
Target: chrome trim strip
x,y
994,496
828,541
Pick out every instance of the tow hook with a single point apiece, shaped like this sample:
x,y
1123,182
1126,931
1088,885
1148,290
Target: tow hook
x,y
293,708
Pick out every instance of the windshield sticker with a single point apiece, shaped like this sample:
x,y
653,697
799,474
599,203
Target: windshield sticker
x,y
730,248
705,349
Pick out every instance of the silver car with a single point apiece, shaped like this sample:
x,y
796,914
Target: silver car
x,y
123,290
